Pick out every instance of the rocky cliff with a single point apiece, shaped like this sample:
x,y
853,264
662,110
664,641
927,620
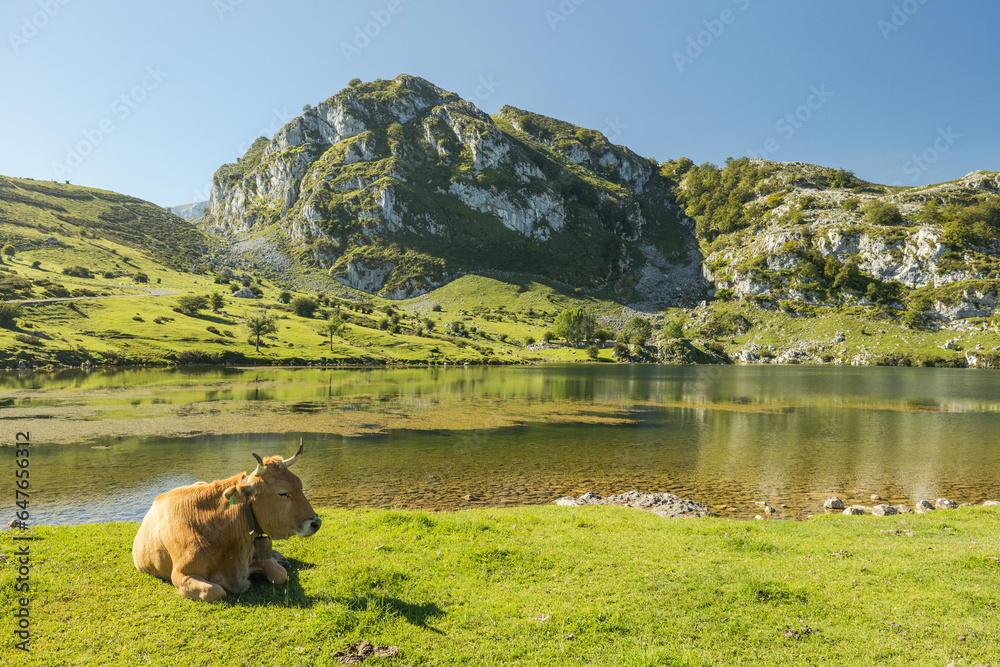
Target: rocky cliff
x,y
810,235
395,187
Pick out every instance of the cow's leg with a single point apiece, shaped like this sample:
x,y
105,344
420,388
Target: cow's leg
x,y
196,588
275,573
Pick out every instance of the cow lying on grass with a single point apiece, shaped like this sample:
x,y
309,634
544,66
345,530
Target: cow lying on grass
x,y
208,538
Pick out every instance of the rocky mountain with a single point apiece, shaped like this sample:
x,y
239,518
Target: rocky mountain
x,y
396,187
796,235
189,211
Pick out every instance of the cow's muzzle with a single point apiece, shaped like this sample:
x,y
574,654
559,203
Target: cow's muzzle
x,y
309,526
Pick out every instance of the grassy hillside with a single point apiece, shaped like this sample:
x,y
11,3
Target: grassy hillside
x,y
94,222
542,586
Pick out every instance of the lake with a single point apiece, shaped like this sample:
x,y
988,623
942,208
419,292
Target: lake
x,y
106,442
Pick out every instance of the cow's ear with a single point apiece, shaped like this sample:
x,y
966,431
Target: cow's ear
x,y
240,493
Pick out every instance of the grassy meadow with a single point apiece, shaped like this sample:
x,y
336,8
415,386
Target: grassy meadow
x,y
542,585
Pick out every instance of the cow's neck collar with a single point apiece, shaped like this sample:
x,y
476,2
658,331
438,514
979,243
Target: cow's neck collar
x,y
252,524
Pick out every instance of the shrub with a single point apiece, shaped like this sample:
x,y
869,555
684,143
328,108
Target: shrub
x,y
28,339
8,250
190,304
883,213
354,82
141,277
108,274
212,329
78,272
851,204
304,306
593,352
436,308
285,296
36,264
675,329
529,340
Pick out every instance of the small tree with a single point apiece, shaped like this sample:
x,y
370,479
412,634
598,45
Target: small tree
x,y
332,327
354,82
675,329
637,331
593,352
285,296
190,304
36,264
261,323
216,300
9,312
304,306
8,250
548,336
574,324
141,277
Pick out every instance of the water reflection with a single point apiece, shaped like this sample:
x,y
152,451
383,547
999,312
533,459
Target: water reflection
x,y
724,436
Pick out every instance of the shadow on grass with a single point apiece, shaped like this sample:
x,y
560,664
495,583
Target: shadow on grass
x,y
416,614
263,593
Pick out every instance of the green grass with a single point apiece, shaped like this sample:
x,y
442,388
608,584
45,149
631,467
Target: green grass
x,y
543,586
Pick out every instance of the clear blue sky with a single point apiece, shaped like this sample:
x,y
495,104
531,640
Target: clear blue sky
x,y
160,94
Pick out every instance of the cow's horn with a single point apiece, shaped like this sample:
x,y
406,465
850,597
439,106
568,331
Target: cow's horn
x,y
288,462
260,469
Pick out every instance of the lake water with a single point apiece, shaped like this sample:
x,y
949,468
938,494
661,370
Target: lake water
x,y
505,436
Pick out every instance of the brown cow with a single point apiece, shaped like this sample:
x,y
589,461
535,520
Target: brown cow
x,y
208,538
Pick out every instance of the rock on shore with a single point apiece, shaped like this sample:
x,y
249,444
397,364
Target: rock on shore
x,y
661,504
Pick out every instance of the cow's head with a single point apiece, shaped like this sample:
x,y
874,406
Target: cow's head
x,y
281,508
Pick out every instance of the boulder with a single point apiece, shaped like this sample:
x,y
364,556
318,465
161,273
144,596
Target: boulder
x,y
854,510
660,504
834,503
903,509
945,504
991,503
924,506
884,510
244,293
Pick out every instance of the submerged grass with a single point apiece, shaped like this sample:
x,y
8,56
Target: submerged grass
x,y
542,586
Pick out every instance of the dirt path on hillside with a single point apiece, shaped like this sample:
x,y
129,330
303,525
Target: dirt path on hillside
x,y
149,292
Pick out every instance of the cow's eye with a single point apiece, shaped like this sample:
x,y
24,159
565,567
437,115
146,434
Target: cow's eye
x,y
285,495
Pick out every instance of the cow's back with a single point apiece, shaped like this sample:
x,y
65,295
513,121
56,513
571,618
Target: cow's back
x,y
175,525
149,553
